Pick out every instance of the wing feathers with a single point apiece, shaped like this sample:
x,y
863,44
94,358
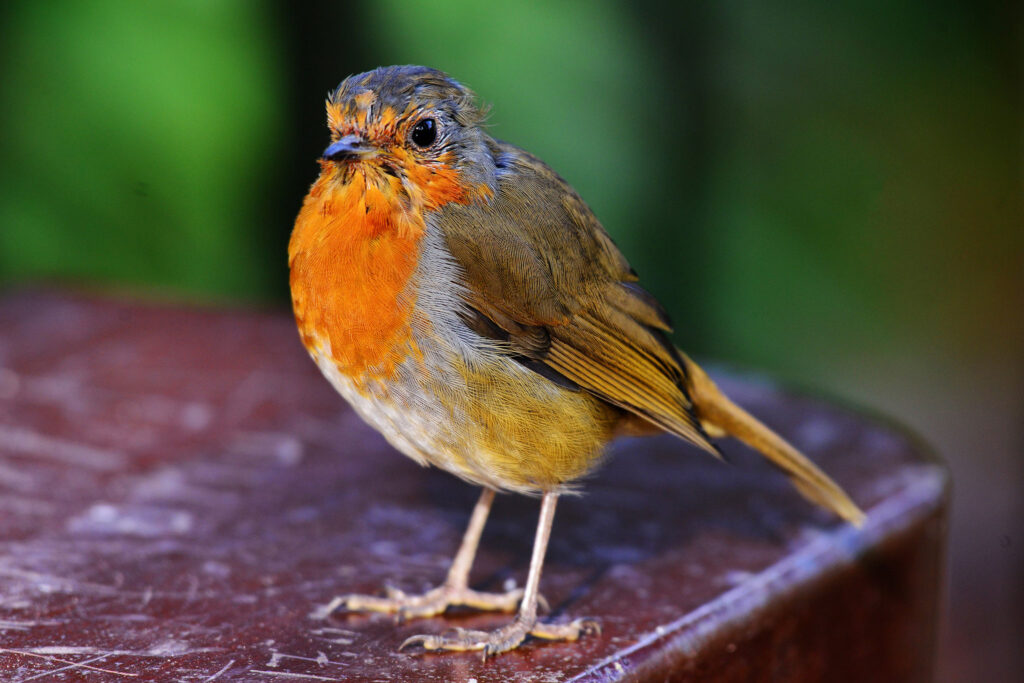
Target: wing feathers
x,y
545,278
626,375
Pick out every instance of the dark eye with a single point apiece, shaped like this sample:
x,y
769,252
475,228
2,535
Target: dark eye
x,y
424,133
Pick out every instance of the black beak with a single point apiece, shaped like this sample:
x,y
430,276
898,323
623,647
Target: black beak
x,y
348,148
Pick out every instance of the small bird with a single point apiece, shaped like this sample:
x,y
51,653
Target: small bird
x,y
469,305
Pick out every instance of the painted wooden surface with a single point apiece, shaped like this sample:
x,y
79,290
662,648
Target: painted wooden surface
x,y
180,489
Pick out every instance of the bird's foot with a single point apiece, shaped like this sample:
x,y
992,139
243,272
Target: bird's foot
x,y
429,604
504,639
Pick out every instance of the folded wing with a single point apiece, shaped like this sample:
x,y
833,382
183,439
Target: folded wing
x,y
542,275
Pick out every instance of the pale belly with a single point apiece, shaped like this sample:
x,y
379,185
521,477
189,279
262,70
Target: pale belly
x,y
487,420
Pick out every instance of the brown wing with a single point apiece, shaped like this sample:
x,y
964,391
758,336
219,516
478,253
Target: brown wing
x,y
542,274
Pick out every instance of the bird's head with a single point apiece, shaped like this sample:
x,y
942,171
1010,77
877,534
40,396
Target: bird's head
x,y
410,132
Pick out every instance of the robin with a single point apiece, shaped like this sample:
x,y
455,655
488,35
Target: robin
x,y
469,305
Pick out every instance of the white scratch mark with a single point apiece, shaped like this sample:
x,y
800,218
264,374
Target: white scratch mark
x,y
168,648
8,625
338,636
219,673
340,641
30,443
285,674
73,665
173,648
320,659
333,630
47,584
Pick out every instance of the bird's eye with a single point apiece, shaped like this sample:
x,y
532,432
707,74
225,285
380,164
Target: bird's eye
x,y
424,133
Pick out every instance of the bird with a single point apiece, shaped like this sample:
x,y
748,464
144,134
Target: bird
x,y
468,304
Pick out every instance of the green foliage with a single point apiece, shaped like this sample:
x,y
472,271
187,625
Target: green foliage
x,y
132,146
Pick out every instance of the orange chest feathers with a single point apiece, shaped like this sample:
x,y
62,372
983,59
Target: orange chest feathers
x,y
352,255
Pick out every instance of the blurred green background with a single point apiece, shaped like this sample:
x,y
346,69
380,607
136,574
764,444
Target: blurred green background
x,y
829,192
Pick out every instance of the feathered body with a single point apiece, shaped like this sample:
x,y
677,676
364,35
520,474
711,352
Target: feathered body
x,y
468,304
465,300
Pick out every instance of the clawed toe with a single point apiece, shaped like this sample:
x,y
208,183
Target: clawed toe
x,y
570,631
501,640
426,642
354,602
458,639
429,604
324,611
465,640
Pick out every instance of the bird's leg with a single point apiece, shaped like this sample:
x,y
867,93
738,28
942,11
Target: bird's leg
x,y
510,636
454,591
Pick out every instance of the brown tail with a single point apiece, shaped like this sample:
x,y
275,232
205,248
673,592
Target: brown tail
x,y
718,413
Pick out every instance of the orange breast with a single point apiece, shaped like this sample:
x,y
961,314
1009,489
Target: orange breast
x,y
352,254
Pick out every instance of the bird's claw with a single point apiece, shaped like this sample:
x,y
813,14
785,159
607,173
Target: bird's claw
x,y
491,643
570,631
426,642
324,611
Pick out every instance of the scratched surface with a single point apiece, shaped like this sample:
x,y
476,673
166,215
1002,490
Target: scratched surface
x,y
179,489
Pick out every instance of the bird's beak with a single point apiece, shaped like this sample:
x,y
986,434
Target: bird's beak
x,y
348,148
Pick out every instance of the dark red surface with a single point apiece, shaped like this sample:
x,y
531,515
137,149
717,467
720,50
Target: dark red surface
x,y
179,489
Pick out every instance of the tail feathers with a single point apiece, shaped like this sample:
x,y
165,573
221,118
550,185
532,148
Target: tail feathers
x,y
719,414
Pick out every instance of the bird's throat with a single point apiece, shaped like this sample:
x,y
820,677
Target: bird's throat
x,y
352,255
